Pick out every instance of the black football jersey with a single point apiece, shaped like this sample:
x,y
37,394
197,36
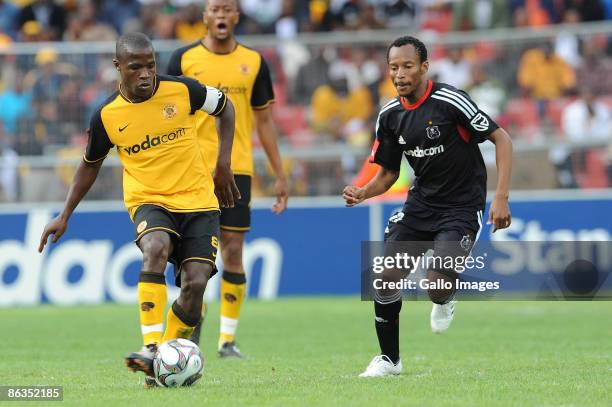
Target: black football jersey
x,y
439,136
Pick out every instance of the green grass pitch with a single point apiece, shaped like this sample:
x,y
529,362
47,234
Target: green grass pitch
x,y
308,352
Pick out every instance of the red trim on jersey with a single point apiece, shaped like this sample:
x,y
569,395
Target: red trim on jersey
x,y
419,102
374,148
465,135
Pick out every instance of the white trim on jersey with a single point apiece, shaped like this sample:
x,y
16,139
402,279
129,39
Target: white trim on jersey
x,y
388,106
479,217
454,103
213,95
384,109
460,98
388,103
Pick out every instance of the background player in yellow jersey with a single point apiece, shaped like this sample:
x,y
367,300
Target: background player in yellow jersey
x,y
168,190
244,76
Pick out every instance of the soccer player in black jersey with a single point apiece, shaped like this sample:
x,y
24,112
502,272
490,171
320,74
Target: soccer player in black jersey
x,y
437,128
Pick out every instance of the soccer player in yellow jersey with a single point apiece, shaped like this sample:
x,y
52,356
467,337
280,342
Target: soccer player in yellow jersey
x,y
168,191
244,76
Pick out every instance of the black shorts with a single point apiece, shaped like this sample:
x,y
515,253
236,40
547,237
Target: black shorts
x,y
452,232
238,218
194,234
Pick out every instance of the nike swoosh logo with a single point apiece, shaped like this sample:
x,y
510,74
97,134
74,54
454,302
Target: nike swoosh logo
x,y
123,128
198,73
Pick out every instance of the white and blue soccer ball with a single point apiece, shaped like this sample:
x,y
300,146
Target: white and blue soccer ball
x,y
178,362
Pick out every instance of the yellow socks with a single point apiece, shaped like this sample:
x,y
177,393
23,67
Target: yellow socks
x,y
178,323
232,295
152,302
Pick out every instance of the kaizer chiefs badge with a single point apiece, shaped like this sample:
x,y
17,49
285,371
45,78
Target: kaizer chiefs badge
x,y
169,111
433,132
244,69
141,226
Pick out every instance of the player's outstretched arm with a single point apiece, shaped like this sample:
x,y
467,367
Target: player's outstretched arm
x,y
83,179
225,186
268,136
499,214
380,184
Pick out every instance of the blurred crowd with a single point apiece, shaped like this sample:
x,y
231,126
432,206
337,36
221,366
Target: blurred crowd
x,y
558,89
87,20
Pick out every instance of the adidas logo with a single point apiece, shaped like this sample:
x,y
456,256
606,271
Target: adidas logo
x,y
401,140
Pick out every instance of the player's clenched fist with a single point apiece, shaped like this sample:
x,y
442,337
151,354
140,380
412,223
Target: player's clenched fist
x,y
353,195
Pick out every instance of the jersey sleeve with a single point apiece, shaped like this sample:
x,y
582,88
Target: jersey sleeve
x,y
386,151
263,93
463,109
206,98
174,65
98,143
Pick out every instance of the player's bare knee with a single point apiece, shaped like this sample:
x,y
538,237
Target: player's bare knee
x,y
156,250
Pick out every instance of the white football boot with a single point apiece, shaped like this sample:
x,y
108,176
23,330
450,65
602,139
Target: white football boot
x,y
442,316
381,366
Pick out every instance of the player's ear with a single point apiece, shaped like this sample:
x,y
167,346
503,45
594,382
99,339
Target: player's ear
x,y
116,63
424,67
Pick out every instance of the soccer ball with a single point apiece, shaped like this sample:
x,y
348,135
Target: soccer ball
x,y
178,362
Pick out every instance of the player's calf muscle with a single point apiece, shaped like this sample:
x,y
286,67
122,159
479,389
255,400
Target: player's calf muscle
x,y
194,278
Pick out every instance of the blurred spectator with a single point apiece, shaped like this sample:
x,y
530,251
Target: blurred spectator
x,y
287,25
164,27
480,14
120,13
99,90
582,120
190,26
567,44
487,94
31,31
321,17
595,70
533,13
588,10
312,75
340,112
347,14
586,119
401,13
50,16
369,19
9,164
14,103
544,75
69,116
264,13
386,89
8,18
46,83
454,69
85,27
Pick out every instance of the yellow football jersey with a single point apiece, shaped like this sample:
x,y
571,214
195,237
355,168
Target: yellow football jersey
x,y
244,77
158,145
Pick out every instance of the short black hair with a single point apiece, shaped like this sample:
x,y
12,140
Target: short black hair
x,y
409,40
132,41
